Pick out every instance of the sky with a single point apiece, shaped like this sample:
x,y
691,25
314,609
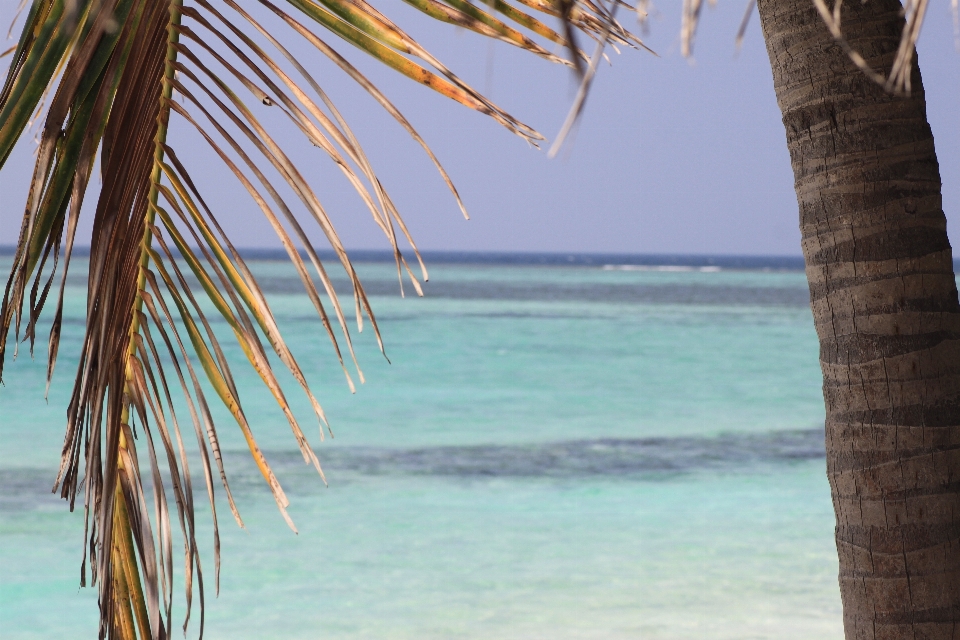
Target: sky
x,y
673,155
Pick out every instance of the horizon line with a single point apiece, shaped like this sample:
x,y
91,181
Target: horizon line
x,y
531,258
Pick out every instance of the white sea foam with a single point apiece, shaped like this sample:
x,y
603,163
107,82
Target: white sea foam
x,y
660,267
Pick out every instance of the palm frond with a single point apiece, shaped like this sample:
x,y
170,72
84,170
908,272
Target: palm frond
x,y
897,80
117,71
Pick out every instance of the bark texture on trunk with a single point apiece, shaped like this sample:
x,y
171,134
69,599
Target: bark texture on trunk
x,y
884,300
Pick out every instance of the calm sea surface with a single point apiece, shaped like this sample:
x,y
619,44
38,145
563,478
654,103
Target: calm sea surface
x,y
555,452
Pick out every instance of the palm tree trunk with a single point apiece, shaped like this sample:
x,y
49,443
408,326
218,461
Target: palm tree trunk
x,y
884,301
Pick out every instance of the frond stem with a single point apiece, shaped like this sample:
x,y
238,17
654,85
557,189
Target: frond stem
x,y
124,546
173,38
130,598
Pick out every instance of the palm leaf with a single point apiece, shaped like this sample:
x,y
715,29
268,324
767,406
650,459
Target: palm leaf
x,y
896,81
113,69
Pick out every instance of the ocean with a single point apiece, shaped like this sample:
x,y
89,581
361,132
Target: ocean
x,y
559,447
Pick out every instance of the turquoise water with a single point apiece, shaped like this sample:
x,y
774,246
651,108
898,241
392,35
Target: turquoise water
x,y
554,452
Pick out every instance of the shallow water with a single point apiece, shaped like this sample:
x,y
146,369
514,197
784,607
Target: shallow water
x,y
554,452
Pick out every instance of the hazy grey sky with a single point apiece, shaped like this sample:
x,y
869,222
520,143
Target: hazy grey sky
x,y
672,156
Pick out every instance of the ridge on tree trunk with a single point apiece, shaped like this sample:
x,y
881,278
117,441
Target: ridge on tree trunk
x,y
884,300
